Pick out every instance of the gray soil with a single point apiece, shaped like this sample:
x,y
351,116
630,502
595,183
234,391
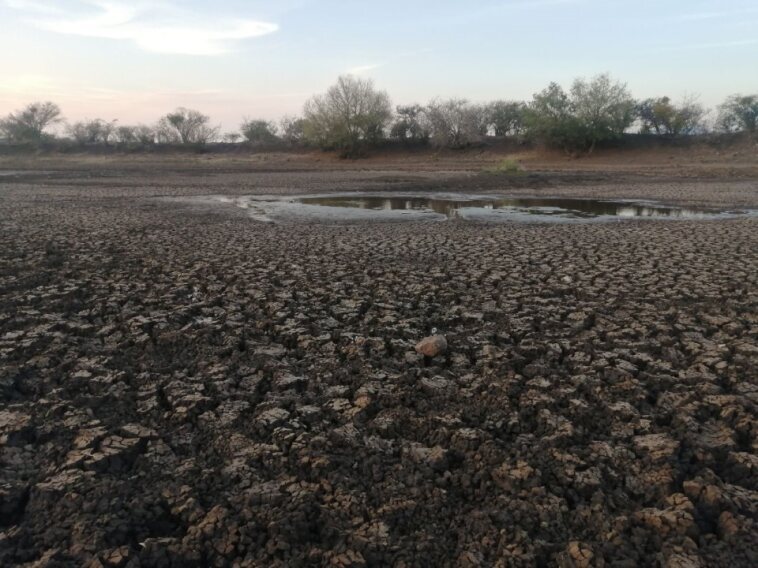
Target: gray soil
x,y
183,385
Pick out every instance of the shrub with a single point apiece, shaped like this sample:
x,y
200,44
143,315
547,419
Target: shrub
x,y
259,132
507,166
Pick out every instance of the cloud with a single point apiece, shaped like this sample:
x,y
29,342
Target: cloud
x,y
40,7
156,27
709,45
696,16
361,69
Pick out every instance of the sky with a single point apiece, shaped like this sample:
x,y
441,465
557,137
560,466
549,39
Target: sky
x,y
135,60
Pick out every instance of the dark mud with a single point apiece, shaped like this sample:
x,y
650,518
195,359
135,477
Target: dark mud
x,y
190,387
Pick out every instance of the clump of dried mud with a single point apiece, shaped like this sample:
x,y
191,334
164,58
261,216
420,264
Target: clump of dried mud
x,y
184,386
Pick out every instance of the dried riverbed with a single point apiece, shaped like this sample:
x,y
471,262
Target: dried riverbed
x,y
184,385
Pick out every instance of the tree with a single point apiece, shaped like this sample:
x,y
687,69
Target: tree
x,y
454,123
739,113
411,124
292,129
550,118
186,126
231,137
139,135
604,108
30,124
91,132
259,132
349,116
661,116
595,111
507,117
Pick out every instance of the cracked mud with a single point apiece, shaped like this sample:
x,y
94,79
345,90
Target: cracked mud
x,y
187,386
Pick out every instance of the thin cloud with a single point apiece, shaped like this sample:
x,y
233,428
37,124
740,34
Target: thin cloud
x,y
38,7
361,69
696,16
147,26
711,45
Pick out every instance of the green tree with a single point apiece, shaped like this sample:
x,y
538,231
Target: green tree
x,y
739,113
662,116
259,132
411,124
292,129
550,119
604,108
595,111
507,117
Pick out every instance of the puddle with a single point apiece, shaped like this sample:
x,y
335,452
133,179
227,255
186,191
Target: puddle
x,y
552,207
442,206
19,173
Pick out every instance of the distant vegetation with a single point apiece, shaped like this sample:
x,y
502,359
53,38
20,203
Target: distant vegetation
x,y
353,116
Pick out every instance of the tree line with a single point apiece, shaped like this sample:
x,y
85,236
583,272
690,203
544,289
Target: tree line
x,y
353,115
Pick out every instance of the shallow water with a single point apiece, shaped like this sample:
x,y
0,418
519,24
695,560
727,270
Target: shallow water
x,y
463,207
17,173
442,206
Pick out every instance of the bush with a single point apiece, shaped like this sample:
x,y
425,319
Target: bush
x,y
507,166
259,132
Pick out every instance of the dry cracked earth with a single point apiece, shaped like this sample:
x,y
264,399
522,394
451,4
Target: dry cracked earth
x,y
185,386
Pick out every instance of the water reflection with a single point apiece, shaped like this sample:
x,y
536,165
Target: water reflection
x,y
461,207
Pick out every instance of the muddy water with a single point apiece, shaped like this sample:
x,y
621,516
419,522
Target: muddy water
x,y
494,207
442,206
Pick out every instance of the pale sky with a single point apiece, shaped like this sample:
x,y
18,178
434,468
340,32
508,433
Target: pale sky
x,y
136,60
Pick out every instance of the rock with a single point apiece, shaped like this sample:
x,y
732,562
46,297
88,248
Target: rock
x,y
435,457
14,426
272,417
12,498
657,447
513,477
678,518
432,346
580,554
435,386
